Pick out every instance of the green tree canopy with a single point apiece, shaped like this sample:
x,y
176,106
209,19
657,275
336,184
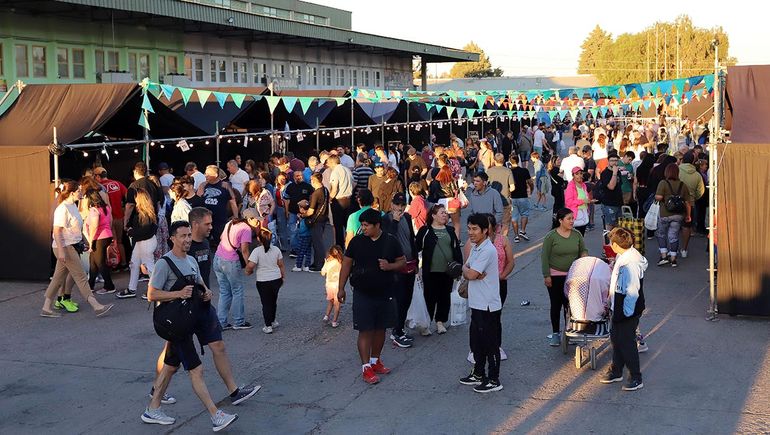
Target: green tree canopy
x,y
482,68
651,54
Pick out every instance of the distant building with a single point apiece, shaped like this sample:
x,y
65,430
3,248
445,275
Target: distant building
x,y
512,83
202,43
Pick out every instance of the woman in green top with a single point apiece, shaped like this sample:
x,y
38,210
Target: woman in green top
x,y
561,247
670,221
439,245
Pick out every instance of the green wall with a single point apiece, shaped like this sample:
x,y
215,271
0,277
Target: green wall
x,y
53,33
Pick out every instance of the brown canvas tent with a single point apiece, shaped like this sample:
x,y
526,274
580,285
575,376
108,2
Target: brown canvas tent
x,y
743,195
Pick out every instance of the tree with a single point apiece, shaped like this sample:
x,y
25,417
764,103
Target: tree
x,y
651,54
482,68
592,47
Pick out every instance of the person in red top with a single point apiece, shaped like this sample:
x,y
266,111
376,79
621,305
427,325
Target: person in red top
x,y
117,194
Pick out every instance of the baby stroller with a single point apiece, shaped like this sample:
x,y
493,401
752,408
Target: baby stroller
x,y
587,315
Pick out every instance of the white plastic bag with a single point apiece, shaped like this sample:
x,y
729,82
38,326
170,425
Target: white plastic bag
x,y
458,311
417,316
651,220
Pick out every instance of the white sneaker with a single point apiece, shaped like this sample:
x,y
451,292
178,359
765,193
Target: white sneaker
x,y
296,269
156,416
306,269
222,419
440,328
275,324
425,331
683,254
267,329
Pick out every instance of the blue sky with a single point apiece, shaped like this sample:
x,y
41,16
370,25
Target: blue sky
x,y
525,40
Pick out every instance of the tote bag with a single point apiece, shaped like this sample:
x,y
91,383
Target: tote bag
x,y
651,220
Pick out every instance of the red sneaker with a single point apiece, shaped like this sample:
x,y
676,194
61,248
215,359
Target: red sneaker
x,y
370,377
379,368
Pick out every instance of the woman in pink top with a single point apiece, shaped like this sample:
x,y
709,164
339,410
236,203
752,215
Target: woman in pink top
x,y
229,262
98,230
577,199
418,209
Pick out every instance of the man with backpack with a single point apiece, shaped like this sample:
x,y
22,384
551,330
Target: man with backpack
x,y
184,310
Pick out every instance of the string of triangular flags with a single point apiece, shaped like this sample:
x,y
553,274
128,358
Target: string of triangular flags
x,y
522,104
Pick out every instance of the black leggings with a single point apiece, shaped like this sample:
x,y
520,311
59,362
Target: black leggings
x,y
438,293
503,291
98,264
558,300
268,294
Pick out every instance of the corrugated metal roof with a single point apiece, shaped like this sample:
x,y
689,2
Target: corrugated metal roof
x,y
259,23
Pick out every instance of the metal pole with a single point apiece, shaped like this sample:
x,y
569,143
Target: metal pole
x,y
55,159
146,143
407,122
217,140
383,130
352,124
430,128
712,312
317,137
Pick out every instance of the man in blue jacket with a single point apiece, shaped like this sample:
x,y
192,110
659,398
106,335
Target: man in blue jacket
x,y
627,304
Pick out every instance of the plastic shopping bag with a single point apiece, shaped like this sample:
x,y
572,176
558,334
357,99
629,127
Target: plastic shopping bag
x,y
458,311
651,220
417,317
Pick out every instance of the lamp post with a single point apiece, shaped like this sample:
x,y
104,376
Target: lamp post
x,y
713,170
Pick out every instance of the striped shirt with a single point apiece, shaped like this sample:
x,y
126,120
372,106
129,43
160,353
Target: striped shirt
x,y
361,176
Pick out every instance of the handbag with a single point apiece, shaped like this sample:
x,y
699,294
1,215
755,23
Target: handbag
x,y
417,316
462,288
581,218
238,252
113,254
453,268
175,320
651,220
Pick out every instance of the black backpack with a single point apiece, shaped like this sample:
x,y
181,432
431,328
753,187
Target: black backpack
x,y
598,191
175,320
675,203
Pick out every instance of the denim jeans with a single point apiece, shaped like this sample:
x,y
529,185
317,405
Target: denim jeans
x,y
292,232
230,278
668,234
611,214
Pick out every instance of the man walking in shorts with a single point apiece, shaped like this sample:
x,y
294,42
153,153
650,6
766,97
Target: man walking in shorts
x,y
371,260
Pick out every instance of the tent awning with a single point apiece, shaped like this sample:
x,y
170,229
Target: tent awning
x,y
75,110
748,100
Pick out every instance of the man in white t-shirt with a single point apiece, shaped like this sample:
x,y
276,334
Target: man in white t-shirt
x,y
539,139
238,177
571,161
340,193
191,169
482,274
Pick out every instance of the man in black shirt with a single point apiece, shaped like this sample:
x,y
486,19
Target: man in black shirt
x,y
612,198
140,182
520,205
371,261
317,218
200,249
589,177
298,190
217,198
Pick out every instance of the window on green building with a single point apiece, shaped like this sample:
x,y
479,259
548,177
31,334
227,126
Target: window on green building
x,y
144,66
113,60
132,67
22,61
38,61
99,61
171,65
63,63
161,67
78,63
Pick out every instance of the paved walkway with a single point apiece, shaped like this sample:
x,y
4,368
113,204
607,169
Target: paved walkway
x,y
79,374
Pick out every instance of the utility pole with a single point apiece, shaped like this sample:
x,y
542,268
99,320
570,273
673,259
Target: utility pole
x,y
656,52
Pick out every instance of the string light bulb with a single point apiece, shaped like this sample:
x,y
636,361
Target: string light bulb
x,y
251,139
136,150
161,147
116,151
152,144
85,153
207,142
229,141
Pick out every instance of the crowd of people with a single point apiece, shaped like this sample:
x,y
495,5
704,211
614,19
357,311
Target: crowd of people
x,y
393,215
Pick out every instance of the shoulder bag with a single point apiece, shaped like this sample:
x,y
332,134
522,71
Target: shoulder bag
x,y
238,252
175,320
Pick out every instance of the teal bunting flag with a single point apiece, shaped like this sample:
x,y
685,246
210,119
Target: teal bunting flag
x,y
548,94
168,91
449,111
695,81
552,114
573,114
470,112
667,99
679,85
647,88
480,100
146,105
584,113
238,99
429,106
304,103
594,113
665,86
708,82
562,114
221,98
647,104
203,96
186,94
272,102
603,111
520,114
635,105
143,120
438,108
532,114
289,103
340,101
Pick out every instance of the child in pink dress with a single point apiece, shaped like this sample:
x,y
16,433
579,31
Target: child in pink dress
x,y
331,270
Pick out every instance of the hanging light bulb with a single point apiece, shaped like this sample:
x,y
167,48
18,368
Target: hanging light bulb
x,y
152,144
191,145
207,142
136,150
229,141
104,151
161,147
116,151
251,139
259,139
85,153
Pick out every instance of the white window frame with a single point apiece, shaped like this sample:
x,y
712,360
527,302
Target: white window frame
x,y
296,73
378,79
82,63
365,74
341,77
240,72
259,71
353,77
66,63
312,75
217,74
327,76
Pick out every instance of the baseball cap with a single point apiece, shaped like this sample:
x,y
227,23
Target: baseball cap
x,y
162,166
378,165
576,169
